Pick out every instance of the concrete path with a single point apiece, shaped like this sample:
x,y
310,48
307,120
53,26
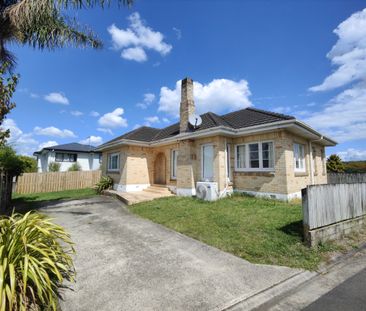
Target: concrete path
x,y
127,263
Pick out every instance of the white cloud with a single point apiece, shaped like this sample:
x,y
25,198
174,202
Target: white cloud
x,y
136,38
94,114
352,154
53,132
57,98
23,143
104,130
148,100
166,120
34,95
282,109
92,140
46,144
136,126
151,120
137,54
344,117
220,95
178,33
113,119
349,53
76,113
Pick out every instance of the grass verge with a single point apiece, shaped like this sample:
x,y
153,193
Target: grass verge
x,y
261,231
34,199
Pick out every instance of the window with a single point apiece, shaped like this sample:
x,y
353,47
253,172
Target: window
x,y
173,161
299,157
207,162
66,157
100,158
113,162
254,157
315,167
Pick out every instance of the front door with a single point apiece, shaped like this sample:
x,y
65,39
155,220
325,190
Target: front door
x,y
159,169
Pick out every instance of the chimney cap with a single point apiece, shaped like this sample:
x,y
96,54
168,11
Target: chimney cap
x,y
187,79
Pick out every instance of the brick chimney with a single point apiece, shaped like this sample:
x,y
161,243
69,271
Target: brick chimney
x,y
187,104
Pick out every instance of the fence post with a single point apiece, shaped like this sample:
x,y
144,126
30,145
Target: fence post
x,y
305,212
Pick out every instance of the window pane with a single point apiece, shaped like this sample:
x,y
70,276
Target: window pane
x,y
254,155
267,155
208,159
59,157
240,156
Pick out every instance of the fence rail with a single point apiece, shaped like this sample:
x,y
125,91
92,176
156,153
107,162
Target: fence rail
x,y
56,181
346,178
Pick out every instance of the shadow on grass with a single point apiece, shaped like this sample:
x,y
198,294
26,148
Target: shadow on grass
x,y
294,229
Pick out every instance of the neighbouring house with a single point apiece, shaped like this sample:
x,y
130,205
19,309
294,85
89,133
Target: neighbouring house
x,y
250,150
67,154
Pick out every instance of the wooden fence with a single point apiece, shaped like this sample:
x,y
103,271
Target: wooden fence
x,y
56,181
346,178
329,210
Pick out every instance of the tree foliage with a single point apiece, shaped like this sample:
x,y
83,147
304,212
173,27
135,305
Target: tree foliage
x,y
44,24
335,164
8,84
29,164
10,162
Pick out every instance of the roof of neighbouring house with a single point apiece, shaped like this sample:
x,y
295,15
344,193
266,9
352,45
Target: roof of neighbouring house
x,y
236,120
72,147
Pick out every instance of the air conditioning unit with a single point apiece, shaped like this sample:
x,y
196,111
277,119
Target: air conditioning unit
x,y
207,191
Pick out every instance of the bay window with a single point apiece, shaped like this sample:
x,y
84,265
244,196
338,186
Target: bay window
x,y
299,157
257,156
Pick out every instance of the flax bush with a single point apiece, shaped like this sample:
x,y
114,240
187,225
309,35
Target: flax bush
x,y
35,259
105,183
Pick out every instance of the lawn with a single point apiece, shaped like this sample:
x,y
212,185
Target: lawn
x,y
258,230
34,199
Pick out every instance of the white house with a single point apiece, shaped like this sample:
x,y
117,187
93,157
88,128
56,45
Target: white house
x,y
67,155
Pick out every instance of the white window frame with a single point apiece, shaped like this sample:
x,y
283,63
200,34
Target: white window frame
x,y
110,155
202,163
173,161
260,151
303,160
228,161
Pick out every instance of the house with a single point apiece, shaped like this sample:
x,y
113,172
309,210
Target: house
x,y
250,150
68,154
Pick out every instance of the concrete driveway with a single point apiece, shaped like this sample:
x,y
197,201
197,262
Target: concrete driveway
x,y
124,262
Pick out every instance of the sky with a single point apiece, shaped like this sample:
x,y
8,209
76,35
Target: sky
x,y
305,58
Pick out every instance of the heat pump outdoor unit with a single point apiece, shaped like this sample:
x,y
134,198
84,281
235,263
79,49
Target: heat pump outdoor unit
x,y
207,191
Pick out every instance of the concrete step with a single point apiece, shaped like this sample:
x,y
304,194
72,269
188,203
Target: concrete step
x,y
130,198
157,190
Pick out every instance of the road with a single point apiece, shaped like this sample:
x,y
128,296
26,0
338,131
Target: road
x,y
349,295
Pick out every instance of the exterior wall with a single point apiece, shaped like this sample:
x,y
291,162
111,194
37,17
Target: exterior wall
x,y
87,161
138,169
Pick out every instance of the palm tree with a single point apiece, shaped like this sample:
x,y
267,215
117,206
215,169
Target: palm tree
x,y
44,24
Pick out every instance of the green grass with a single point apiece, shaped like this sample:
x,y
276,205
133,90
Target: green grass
x,y
258,230
34,199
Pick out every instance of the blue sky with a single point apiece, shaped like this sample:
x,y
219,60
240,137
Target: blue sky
x,y
304,58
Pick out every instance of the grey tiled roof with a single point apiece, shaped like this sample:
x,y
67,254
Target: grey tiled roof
x,y
75,147
236,120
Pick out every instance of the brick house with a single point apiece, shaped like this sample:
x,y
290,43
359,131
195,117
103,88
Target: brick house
x,y
249,150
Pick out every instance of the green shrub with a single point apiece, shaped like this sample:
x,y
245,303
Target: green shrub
x,y
10,162
105,183
29,164
54,167
35,259
74,167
